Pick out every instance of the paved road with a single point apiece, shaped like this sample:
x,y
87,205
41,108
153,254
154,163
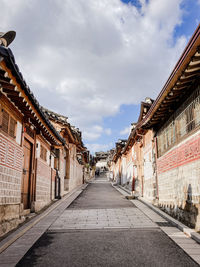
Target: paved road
x,y
102,228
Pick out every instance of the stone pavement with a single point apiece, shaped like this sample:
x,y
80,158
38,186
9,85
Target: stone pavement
x,y
102,228
102,219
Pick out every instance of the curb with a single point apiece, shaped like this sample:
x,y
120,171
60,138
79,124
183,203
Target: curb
x,y
126,190
10,239
185,229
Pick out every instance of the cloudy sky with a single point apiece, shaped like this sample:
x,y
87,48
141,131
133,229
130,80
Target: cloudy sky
x,y
96,60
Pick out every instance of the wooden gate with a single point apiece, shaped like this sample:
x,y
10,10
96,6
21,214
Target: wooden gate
x,y
25,190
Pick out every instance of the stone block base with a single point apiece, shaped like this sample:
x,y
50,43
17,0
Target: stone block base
x,y
10,217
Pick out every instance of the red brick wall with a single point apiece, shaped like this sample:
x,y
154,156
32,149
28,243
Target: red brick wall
x,y
179,181
181,155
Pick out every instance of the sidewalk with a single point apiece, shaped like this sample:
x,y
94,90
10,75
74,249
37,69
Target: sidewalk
x,y
188,231
15,245
182,235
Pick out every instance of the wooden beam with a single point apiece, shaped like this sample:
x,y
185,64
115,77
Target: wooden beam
x,y
175,88
181,84
5,79
195,58
188,77
10,92
192,70
192,73
6,85
193,66
2,72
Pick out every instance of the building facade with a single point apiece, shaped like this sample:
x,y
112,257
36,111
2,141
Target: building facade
x,y
166,142
35,158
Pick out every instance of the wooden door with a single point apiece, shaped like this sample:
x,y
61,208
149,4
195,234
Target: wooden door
x,y
25,192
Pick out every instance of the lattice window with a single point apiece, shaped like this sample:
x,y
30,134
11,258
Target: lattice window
x,y
182,122
43,153
5,121
12,127
8,124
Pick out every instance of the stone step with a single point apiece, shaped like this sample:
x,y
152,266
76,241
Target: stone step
x,y
26,212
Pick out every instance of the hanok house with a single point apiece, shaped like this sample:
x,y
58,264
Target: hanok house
x,y
27,144
116,167
101,161
146,154
73,157
175,119
138,156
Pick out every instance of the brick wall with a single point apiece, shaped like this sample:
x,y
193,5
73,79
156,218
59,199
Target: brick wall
x,y
43,184
11,162
179,181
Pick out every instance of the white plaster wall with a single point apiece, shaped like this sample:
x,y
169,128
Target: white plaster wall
x,y
101,164
19,133
38,150
124,171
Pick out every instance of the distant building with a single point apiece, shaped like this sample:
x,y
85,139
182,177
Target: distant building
x,y
101,160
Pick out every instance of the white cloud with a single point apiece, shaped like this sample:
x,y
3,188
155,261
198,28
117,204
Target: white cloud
x,y
108,131
126,131
93,133
95,147
84,59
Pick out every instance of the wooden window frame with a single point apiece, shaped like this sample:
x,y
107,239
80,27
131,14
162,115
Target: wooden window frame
x,y
43,153
182,123
11,124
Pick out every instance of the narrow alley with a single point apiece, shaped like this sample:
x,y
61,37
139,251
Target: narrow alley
x,y
101,228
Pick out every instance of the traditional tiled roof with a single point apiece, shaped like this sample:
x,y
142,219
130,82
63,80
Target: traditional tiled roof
x,y
14,95
55,116
63,120
181,80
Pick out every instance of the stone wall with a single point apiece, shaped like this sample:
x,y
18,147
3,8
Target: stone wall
x,y
179,181
138,168
11,162
148,161
127,170
43,184
76,174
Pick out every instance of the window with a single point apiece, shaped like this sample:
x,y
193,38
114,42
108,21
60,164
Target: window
x,y
5,121
182,122
8,124
43,153
12,127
